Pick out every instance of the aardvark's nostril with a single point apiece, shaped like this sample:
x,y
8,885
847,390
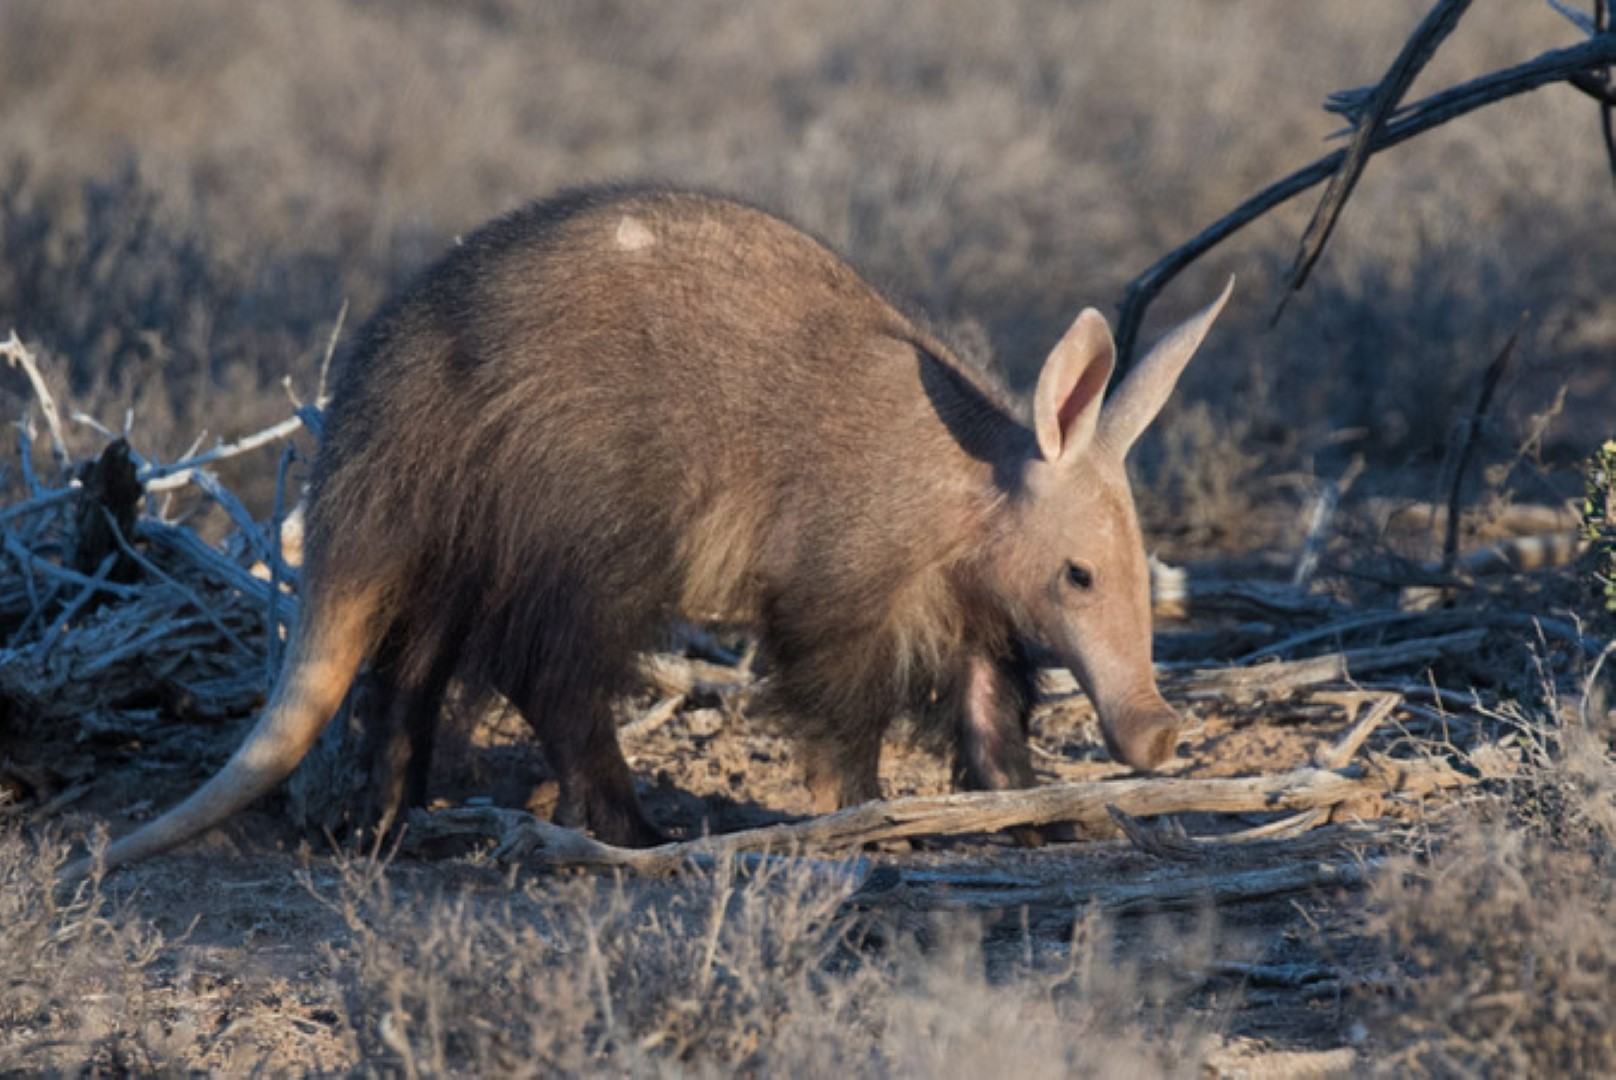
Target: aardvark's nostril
x,y
1144,739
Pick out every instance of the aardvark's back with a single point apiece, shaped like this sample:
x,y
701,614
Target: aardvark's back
x,y
676,379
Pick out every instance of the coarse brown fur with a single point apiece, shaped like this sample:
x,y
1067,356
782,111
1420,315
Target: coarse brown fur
x,y
620,407
555,443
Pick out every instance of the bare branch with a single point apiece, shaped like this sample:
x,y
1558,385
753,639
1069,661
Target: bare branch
x,y
1377,110
1245,684
321,395
179,473
1607,108
191,596
1318,527
1176,890
1579,19
272,628
17,354
1557,65
1484,400
1089,805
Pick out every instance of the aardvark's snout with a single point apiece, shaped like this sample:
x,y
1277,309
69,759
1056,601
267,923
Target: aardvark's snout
x,y
1142,732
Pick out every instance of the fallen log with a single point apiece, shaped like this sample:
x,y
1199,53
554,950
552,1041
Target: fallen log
x,y
522,837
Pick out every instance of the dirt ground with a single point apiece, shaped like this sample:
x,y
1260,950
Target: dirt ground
x,y
250,906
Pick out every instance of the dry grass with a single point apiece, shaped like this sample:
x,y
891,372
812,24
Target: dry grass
x,y
1506,948
206,185
1500,939
78,982
759,970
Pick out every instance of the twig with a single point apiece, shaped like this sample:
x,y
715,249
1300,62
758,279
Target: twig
x,y
1344,748
189,594
25,455
1175,891
1601,89
1415,54
1336,628
1247,684
1085,804
26,561
179,473
1607,107
321,395
18,355
59,623
1178,595
1166,839
67,796
1447,699
1489,385
1579,19
188,545
43,501
654,717
1287,976
72,577
1318,529
272,627
249,529
1556,65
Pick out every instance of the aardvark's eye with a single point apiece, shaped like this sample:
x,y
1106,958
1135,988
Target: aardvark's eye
x,y
1079,576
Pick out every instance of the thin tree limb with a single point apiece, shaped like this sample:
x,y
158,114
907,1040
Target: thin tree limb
x,y
1387,95
1087,804
190,594
179,473
1607,107
1484,400
1168,840
272,628
17,354
1557,65
1176,890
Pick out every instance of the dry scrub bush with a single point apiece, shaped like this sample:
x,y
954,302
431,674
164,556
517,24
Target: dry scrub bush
x,y
759,971
77,985
1011,161
1200,488
134,309
1503,941
1508,955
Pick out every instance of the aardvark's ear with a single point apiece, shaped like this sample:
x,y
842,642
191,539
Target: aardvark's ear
x,y
1066,405
1145,389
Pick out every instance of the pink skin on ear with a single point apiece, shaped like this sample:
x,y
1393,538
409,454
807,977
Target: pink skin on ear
x,y
1066,404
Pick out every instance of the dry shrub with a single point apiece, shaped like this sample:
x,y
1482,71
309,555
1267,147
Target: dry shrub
x,y
1200,488
1508,955
759,970
1012,162
1504,941
133,309
77,989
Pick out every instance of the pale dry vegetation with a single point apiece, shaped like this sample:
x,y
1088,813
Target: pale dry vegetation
x,y
757,967
1499,938
202,186
77,986
191,193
